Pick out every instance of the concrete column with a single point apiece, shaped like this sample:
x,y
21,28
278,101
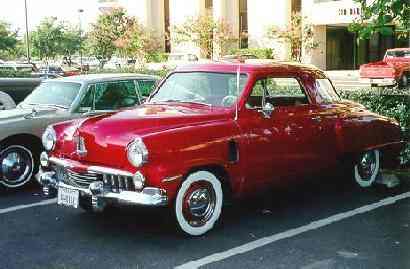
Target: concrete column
x,y
227,12
180,11
264,14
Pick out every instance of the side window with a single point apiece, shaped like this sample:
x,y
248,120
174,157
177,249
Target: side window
x,y
145,87
278,92
87,103
115,95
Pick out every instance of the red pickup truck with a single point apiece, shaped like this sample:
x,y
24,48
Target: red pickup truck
x,y
393,70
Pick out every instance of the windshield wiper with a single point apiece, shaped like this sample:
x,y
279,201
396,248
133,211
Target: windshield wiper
x,y
181,101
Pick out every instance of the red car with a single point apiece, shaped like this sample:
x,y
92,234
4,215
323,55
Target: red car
x,y
393,70
212,131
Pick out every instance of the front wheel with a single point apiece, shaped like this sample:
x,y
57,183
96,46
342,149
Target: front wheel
x,y
198,204
366,168
404,81
17,165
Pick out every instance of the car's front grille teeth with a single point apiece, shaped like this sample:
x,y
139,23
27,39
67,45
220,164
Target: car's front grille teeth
x,y
81,180
117,183
112,183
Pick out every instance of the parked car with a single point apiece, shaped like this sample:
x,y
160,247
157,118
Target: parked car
x,y
211,131
393,70
174,60
18,88
59,100
234,58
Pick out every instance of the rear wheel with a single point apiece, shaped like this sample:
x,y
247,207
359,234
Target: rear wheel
x,y
366,168
18,163
198,204
404,81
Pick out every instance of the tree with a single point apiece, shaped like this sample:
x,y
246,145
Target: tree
x,y
110,27
8,39
297,34
137,41
205,32
71,41
47,39
378,16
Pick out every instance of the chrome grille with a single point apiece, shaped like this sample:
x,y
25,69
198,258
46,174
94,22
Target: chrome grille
x,y
117,183
112,183
81,180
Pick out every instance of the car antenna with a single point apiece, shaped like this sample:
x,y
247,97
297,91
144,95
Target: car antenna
x,y
238,77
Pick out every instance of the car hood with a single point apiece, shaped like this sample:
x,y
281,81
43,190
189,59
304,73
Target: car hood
x,y
22,113
108,135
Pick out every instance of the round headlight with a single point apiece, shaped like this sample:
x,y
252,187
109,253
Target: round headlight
x,y
137,152
49,138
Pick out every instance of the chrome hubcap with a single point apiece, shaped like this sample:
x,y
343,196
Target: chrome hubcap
x,y
367,165
199,203
16,165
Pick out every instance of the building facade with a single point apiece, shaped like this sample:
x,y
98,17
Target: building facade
x,y
249,21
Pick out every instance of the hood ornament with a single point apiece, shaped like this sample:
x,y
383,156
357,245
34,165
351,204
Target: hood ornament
x,y
81,150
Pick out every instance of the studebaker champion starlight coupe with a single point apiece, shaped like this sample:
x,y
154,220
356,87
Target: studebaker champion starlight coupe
x,y
212,131
55,101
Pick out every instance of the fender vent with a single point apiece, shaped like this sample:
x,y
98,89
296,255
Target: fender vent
x,y
233,152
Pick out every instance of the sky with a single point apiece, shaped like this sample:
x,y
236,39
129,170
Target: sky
x,y
12,11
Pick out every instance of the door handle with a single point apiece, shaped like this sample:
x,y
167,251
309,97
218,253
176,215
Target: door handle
x,y
317,119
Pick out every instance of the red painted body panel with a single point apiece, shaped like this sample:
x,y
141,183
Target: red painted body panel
x,y
388,68
294,141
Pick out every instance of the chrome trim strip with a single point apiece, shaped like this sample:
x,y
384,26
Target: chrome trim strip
x,y
92,169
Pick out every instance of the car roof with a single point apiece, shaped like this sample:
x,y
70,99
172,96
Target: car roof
x,y
92,78
272,67
398,49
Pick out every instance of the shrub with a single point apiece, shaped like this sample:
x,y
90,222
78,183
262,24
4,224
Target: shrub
x,y
261,53
391,104
6,73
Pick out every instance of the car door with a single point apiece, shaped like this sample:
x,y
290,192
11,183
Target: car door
x,y
284,142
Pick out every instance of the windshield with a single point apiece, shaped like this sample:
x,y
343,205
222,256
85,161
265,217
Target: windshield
x,y
215,89
398,53
56,93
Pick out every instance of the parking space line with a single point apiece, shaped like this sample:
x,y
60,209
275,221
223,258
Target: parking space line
x,y
20,207
290,233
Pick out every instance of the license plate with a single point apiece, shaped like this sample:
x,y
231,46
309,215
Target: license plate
x,y
68,197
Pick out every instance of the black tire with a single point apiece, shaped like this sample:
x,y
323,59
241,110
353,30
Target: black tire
x,y
366,168
31,155
85,204
404,81
204,190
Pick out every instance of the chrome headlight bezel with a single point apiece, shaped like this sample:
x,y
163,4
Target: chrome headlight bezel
x,y
137,152
49,138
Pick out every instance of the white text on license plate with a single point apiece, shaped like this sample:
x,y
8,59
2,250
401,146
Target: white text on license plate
x,y
68,197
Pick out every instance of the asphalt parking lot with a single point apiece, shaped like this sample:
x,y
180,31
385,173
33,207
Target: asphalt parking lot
x,y
316,225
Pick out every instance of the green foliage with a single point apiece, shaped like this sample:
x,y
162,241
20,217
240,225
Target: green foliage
x,y
109,28
46,39
6,73
8,39
298,34
205,32
379,15
156,57
393,105
261,53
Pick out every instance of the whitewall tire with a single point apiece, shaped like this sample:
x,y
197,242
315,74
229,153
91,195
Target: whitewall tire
x,y
198,204
367,168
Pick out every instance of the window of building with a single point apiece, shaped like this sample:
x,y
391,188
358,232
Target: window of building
x,y
167,27
243,23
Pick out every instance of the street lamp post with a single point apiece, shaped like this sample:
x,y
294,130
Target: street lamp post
x,y
81,39
27,35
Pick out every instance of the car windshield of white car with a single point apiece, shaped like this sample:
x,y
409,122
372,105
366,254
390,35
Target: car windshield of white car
x,y
214,89
54,93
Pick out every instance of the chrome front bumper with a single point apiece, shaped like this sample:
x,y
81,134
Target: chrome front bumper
x,y
100,197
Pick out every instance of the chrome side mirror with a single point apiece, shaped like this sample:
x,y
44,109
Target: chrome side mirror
x,y
267,110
